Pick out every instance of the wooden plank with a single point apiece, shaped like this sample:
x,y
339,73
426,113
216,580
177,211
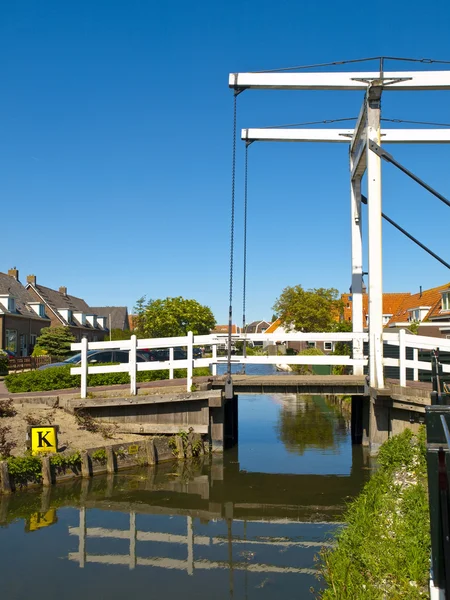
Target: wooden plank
x,y
142,400
155,428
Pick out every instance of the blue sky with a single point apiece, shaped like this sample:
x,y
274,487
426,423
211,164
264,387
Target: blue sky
x,y
115,148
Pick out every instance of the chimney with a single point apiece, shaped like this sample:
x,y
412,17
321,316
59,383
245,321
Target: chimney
x,y
63,290
14,273
31,279
420,292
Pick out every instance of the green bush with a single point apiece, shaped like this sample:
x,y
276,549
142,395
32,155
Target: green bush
x,y
59,378
3,363
306,369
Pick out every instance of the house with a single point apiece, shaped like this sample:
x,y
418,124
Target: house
x,y
277,327
116,316
257,327
428,309
391,304
21,317
65,310
223,329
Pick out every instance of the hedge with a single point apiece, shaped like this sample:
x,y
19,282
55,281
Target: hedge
x,y
59,378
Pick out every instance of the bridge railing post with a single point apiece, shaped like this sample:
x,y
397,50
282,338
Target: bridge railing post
x,y
190,360
84,367
171,363
133,365
402,356
214,359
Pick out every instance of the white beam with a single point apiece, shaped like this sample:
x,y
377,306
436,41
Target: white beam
x,y
357,270
344,136
374,228
392,81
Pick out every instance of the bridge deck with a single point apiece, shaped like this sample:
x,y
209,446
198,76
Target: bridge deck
x,y
296,384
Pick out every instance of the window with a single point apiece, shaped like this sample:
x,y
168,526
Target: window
x,y
414,315
121,356
42,311
11,304
101,357
33,338
328,346
310,344
11,340
446,301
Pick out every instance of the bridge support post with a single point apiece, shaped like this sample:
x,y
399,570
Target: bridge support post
x,y
379,426
357,419
357,271
373,133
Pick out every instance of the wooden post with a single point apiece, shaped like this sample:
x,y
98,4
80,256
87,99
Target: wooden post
x,y
46,471
84,367
110,460
150,451
133,365
180,448
86,470
4,478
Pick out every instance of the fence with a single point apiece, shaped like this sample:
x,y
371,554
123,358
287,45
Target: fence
x,y
400,339
27,363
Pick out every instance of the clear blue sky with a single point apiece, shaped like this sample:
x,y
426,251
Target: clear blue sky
x,y
115,147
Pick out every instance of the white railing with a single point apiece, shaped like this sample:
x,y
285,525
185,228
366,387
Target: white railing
x,y
401,339
416,342
214,341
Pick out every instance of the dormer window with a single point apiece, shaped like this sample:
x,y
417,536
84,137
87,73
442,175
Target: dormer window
x,y
66,314
446,301
8,302
38,308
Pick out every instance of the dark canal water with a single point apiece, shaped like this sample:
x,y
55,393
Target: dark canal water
x,y
244,525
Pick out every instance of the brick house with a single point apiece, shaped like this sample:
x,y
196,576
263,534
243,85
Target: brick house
x,y
64,310
21,317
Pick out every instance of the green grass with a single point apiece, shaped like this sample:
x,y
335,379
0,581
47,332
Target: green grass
x,y
384,550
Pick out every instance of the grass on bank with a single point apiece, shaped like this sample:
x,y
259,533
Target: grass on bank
x,y
58,378
384,551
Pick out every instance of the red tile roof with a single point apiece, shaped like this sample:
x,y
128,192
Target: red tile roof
x,y
391,304
431,297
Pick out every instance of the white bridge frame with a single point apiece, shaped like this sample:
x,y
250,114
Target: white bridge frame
x,y
401,339
362,159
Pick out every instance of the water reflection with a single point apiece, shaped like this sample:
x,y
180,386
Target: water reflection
x,y
309,422
199,528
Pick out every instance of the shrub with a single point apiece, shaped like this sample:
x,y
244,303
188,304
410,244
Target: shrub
x,y
306,369
7,408
3,363
5,445
38,351
25,468
56,340
59,378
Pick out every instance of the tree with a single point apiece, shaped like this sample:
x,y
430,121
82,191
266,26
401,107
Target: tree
x,y
172,317
55,341
309,310
119,334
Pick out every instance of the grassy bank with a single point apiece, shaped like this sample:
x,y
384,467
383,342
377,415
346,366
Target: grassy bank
x,y
384,551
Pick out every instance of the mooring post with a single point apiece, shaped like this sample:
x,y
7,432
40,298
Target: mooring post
x,y
110,460
150,452
86,470
4,478
46,471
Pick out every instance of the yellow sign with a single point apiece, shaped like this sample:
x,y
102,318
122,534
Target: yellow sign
x,y
134,449
44,439
39,520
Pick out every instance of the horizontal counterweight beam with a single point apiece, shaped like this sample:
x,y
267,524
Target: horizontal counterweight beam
x,y
397,80
390,136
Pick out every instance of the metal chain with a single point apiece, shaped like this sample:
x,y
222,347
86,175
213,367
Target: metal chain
x,y
244,286
233,188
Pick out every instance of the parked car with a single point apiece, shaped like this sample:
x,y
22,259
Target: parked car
x,y
100,356
162,354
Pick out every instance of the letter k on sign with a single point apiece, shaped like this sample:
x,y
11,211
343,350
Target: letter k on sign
x,y
44,439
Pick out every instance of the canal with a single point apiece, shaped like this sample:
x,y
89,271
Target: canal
x,y
245,524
